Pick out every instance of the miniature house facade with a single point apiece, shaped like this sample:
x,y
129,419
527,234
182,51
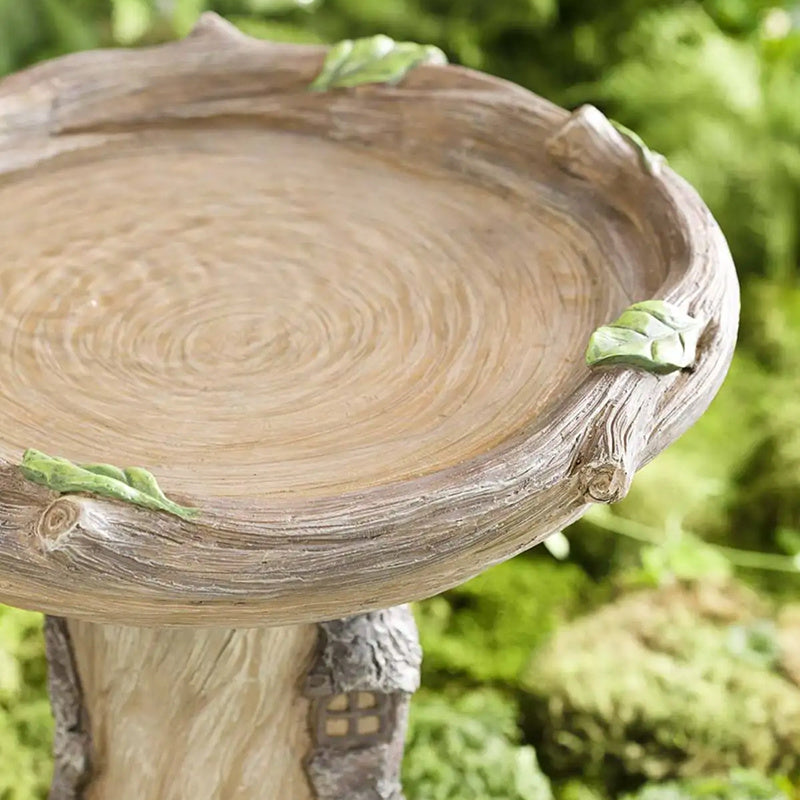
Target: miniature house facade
x,y
365,670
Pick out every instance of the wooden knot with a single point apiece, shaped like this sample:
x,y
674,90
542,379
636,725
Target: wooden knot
x,y
57,520
604,483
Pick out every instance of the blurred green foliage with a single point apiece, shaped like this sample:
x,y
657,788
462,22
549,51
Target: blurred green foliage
x,y
679,682
25,721
465,747
485,630
658,684
739,785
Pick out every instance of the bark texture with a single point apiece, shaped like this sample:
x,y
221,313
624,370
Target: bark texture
x,y
72,745
376,653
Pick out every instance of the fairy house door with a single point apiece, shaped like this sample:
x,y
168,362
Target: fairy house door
x,y
365,670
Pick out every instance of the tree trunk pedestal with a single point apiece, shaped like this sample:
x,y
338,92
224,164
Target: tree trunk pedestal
x,y
308,712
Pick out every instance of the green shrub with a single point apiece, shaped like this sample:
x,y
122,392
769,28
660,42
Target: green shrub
x,y
740,785
680,682
486,629
465,747
721,108
765,505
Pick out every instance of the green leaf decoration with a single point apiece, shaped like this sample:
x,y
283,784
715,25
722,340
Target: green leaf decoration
x,y
653,335
651,162
375,59
132,484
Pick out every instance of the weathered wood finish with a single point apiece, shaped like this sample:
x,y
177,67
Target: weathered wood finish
x,y
603,232
195,714
72,744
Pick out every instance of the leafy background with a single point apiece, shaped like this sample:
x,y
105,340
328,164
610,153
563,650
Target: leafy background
x,y
658,657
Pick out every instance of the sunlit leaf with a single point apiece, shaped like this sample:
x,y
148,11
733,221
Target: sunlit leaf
x,y
376,59
652,335
130,20
557,545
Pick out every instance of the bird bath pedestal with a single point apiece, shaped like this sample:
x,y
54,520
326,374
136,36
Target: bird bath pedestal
x,y
344,324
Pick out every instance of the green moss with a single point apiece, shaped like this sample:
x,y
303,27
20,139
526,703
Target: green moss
x,y
679,682
486,629
739,785
25,719
465,748
578,790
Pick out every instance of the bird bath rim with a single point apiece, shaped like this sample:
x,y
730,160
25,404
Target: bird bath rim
x,y
328,556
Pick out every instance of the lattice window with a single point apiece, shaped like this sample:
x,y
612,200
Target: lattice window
x,y
354,719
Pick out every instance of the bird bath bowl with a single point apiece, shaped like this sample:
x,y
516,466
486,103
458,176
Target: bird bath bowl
x,y
347,325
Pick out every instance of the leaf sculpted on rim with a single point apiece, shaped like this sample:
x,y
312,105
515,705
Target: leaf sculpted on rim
x,y
652,335
375,59
132,484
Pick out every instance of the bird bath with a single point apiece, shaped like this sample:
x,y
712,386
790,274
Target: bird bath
x,y
345,325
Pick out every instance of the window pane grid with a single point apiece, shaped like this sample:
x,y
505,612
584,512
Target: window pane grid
x,y
354,717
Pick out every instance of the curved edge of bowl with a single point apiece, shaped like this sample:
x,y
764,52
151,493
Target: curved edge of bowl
x,y
329,557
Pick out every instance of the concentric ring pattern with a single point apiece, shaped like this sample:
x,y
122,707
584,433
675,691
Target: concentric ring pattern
x,y
256,315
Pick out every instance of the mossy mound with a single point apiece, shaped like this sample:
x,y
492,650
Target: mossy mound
x,y
739,785
680,682
466,748
486,629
